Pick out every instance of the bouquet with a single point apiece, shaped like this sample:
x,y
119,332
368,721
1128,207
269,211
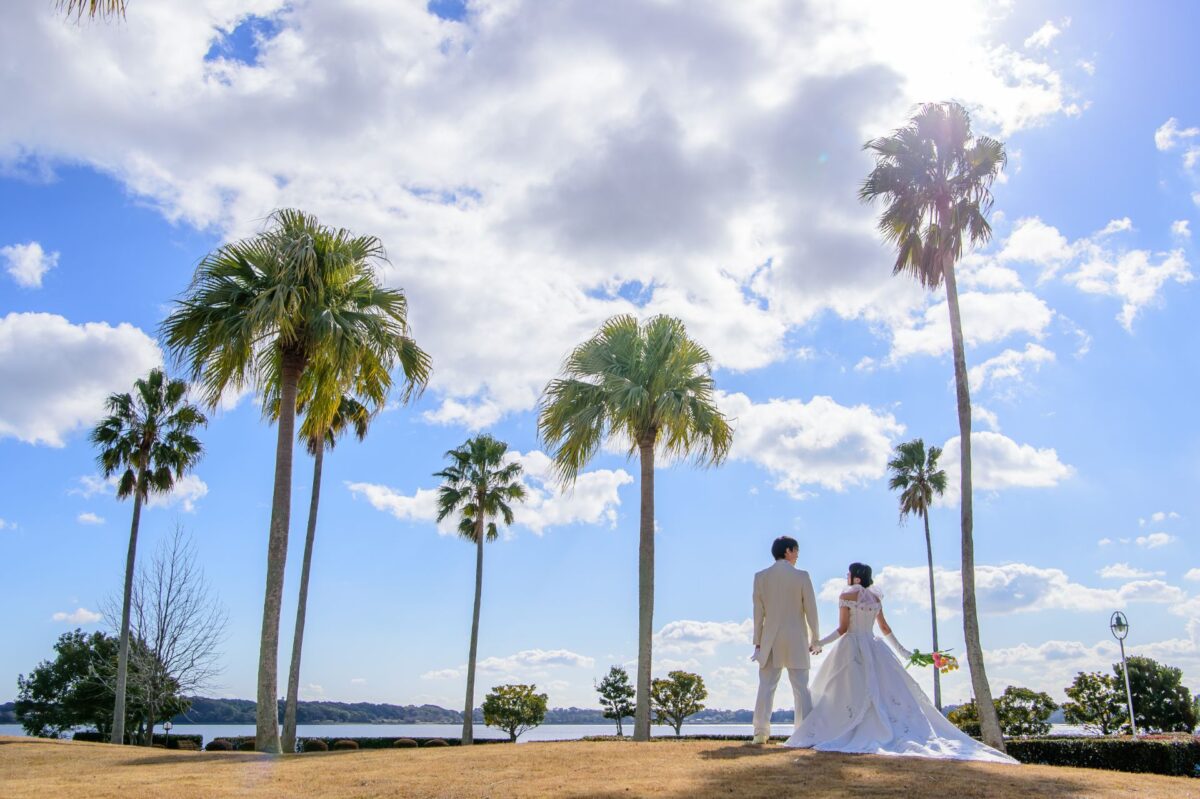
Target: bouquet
x,y
942,661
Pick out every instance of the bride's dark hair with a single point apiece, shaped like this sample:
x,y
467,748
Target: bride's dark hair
x,y
863,572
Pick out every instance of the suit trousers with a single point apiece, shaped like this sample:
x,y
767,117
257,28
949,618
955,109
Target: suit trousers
x,y
768,679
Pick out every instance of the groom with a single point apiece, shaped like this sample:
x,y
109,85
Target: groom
x,y
785,620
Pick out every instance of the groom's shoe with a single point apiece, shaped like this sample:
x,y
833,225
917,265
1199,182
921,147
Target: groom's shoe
x,y
759,739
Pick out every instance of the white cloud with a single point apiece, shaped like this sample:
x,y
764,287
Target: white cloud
x,y
1104,542
55,376
1169,135
358,680
1181,229
28,263
6,525
985,416
986,318
1032,241
1133,276
593,499
533,663
1154,540
1087,66
77,616
1043,36
312,691
1008,588
1123,571
818,443
1009,366
1122,225
999,463
542,165
442,674
89,518
186,492
688,637
1192,574
1163,515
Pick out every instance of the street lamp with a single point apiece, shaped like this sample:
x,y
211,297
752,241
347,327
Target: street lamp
x,y
167,726
1120,628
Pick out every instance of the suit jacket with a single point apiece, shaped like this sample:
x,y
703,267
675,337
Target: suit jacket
x,y
785,616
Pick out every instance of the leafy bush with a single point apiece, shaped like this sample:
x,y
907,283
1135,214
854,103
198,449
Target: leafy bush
x,y
1160,701
436,742
219,745
1022,711
344,744
314,745
246,746
405,743
1178,756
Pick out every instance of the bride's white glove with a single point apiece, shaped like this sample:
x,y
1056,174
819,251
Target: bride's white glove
x,y
891,639
829,639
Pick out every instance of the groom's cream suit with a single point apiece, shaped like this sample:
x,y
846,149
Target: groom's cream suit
x,y
785,620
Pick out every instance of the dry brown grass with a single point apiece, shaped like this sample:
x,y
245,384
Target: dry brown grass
x,y
38,769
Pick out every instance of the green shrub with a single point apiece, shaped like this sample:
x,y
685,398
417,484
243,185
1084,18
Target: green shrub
x,y
246,746
219,745
1178,756
436,742
313,745
345,744
405,743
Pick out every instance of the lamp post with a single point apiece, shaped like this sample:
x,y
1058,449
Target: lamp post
x,y
1120,628
167,728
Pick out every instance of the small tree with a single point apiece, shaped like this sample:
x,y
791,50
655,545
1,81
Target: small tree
x,y
1021,711
76,688
1160,702
677,697
516,709
616,696
1097,703
1024,712
178,624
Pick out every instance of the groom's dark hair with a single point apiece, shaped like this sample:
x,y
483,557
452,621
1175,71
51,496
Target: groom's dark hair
x,y
782,545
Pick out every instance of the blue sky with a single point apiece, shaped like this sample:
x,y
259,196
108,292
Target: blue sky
x,y
534,170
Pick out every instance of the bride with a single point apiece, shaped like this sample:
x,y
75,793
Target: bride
x,y
865,702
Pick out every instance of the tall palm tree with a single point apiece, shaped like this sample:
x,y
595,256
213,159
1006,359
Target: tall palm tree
x,y
147,436
351,415
650,386
915,474
368,381
480,485
935,177
92,8
260,312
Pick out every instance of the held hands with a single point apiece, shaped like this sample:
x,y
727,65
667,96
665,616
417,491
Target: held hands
x,y
757,653
815,649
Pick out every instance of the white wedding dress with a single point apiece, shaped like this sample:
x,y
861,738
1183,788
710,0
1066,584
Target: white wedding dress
x,y
865,702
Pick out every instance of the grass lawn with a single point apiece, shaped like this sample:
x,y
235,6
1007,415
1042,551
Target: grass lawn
x,y
43,769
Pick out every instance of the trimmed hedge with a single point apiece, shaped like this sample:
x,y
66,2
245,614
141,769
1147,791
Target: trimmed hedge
x,y
1177,757
95,737
219,745
313,745
437,742
404,743
344,745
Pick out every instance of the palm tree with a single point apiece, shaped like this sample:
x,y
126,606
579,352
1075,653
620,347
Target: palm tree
x,y
480,485
261,312
92,8
148,435
351,414
915,474
935,178
650,386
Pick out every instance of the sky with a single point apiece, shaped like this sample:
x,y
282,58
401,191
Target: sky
x,y
532,170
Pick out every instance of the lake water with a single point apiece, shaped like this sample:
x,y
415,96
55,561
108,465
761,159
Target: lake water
x,y
547,732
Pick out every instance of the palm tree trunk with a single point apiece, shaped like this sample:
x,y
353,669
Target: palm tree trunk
x,y
937,675
266,738
468,730
288,743
641,715
989,723
118,727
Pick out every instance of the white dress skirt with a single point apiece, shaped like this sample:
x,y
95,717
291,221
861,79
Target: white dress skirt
x,y
864,702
